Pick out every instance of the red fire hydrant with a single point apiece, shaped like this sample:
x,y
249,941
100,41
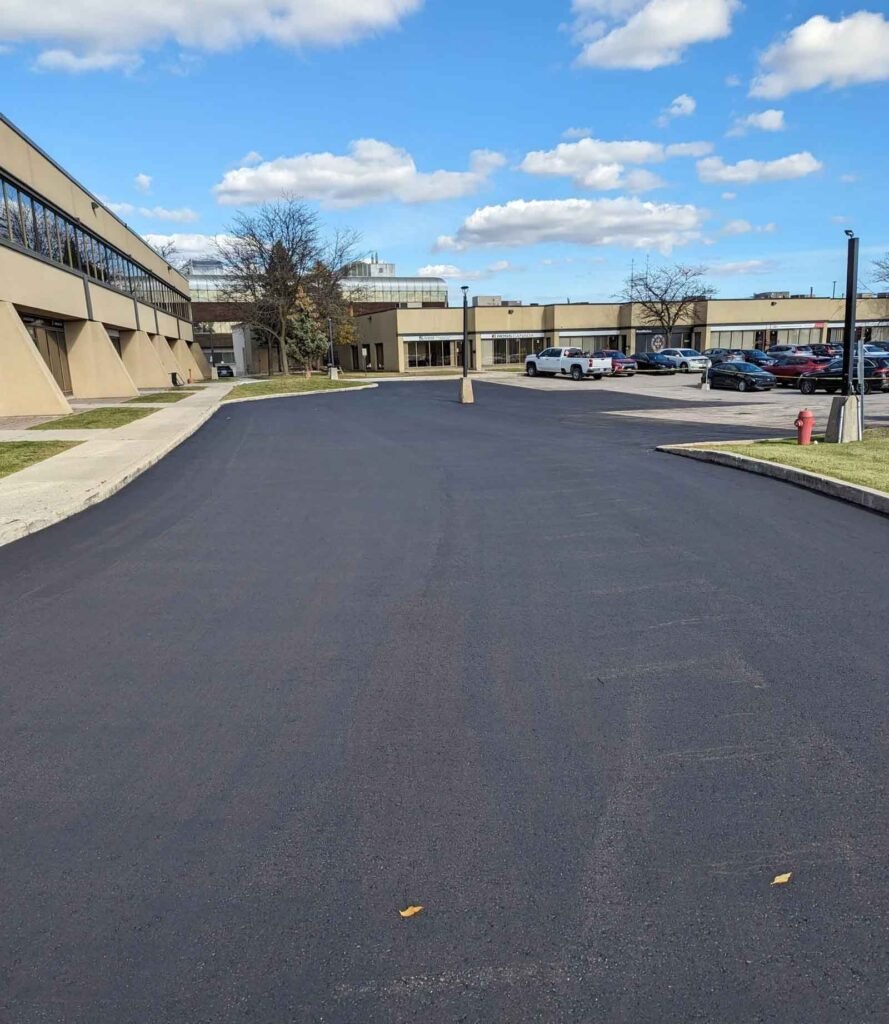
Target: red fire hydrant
x,y
804,423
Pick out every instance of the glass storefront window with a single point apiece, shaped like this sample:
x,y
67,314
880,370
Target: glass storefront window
x,y
428,353
514,350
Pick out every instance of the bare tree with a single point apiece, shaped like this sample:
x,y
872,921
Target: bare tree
x,y
274,259
881,270
168,252
667,295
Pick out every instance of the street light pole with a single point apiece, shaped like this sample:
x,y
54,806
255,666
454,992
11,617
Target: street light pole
x,y
331,359
466,395
846,421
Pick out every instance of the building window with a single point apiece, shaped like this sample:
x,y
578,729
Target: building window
x,y
27,221
513,350
428,353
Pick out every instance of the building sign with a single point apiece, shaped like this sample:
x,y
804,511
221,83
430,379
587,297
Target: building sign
x,y
513,334
431,337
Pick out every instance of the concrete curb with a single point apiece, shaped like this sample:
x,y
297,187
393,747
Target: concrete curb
x,y
296,394
842,490
105,489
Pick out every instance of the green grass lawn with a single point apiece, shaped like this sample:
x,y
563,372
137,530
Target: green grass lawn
x,y
863,462
16,455
105,418
165,397
293,385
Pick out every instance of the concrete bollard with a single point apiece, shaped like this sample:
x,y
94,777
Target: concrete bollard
x,y
466,395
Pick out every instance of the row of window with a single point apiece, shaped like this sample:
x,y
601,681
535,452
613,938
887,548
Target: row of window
x,y
30,223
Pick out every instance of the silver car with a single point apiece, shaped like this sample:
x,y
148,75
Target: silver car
x,y
686,359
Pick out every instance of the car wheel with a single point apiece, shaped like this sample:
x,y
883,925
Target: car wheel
x,y
531,370
831,389
597,376
743,385
576,373
807,387
683,367
867,387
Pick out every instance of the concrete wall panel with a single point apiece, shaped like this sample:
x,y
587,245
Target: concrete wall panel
x,y
40,287
113,309
167,325
188,368
97,371
142,360
200,359
26,385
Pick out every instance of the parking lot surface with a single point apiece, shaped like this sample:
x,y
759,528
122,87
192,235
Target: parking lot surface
x,y
580,701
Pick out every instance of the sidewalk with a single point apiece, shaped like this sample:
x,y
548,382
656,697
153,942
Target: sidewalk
x,y
50,491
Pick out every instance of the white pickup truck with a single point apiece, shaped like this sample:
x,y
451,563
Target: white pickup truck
x,y
566,362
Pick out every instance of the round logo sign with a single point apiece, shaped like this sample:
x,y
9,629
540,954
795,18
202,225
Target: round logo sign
x,y
657,342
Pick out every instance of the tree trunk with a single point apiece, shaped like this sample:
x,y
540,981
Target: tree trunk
x,y
282,348
307,368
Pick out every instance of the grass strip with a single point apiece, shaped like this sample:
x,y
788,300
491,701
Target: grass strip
x,y
16,455
861,462
162,397
288,386
105,418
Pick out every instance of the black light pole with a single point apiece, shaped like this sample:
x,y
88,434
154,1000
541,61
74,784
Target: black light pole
x,y
465,290
849,339
331,358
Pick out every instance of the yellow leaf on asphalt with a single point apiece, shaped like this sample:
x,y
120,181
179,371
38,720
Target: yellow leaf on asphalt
x,y
410,912
782,879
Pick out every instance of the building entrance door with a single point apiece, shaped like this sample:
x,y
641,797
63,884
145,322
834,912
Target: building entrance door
x,y
49,337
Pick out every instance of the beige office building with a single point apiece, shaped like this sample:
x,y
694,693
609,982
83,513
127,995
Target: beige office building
x,y
406,340
87,308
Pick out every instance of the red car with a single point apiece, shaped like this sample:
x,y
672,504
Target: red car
x,y
787,370
620,364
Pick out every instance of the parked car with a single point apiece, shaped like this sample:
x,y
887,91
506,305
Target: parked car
x,y
654,362
224,370
787,350
620,364
686,358
740,376
565,362
789,369
756,355
831,351
830,377
875,349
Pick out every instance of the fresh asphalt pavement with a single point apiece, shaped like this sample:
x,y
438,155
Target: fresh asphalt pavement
x,y
344,654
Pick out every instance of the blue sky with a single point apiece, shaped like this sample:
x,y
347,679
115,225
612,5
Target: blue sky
x,y
487,142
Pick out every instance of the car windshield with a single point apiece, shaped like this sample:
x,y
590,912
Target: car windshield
x,y
689,352
747,367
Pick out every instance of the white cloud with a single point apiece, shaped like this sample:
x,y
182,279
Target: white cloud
x,y
742,267
181,216
372,172
102,34
729,195
750,172
600,165
848,179
576,133
733,81
621,221
143,182
121,209
250,159
682,106
187,246
743,227
824,52
766,121
839,220
451,272
646,34
77,64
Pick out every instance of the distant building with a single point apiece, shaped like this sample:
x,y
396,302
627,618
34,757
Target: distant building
x,y
370,286
214,317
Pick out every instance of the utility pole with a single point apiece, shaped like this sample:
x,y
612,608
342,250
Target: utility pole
x,y
331,358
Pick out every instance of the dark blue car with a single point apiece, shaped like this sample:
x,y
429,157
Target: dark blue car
x,y
654,362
